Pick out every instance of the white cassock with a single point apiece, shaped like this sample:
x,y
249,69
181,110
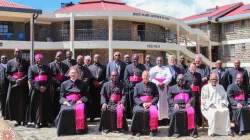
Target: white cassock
x,y
218,119
161,75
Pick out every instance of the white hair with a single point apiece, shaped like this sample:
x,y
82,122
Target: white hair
x,y
171,56
87,57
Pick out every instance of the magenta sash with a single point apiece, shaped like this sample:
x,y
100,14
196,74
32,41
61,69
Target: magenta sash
x,y
73,96
79,111
190,116
182,96
119,116
196,89
239,97
18,75
60,77
146,98
115,97
41,78
153,111
161,80
135,79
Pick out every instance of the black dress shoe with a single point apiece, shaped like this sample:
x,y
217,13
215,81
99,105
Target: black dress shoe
x,y
105,132
176,135
212,135
37,126
240,133
138,134
231,134
25,124
17,124
92,119
195,136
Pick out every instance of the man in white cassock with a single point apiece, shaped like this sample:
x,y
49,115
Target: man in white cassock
x,y
214,107
161,76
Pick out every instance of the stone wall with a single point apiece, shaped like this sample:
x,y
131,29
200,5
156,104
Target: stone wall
x,y
154,33
240,31
122,30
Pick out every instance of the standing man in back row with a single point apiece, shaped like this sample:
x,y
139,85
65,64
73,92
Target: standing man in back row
x,y
148,65
175,71
116,65
182,64
69,61
231,74
4,83
202,69
221,74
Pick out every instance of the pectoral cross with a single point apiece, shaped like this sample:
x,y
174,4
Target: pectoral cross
x,y
181,96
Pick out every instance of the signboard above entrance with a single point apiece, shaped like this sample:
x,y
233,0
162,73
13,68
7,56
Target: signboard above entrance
x,y
150,15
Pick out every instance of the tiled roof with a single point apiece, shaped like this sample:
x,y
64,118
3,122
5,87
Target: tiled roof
x,y
100,5
213,13
9,4
239,11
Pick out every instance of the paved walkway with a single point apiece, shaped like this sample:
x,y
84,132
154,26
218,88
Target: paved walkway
x,y
23,133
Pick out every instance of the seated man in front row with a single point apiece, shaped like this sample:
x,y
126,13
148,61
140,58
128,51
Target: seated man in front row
x,y
238,96
113,100
181,110
214,107
145,112
72,117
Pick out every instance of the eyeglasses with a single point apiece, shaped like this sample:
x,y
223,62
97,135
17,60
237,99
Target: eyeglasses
x,y
88,60
4,58
117,55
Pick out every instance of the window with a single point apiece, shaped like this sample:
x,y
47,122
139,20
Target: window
x,y
229,50
83,52
229,27
26,54
203,27
242,22
6,27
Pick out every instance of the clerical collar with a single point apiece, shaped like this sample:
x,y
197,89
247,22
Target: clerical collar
x,y
57,62
4,65
97,64
73,80
79,65
39,65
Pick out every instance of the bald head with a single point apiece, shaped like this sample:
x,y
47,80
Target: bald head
x,y
182,59
214,79
145,76
148,59
237,63
79,60
218,64
58,56
239,79
17,53
96,58
114,76
117,56
159,61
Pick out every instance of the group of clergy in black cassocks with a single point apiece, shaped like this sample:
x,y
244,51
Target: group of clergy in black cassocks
x,y
67,92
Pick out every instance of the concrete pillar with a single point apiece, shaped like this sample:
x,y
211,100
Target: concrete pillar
x,y
72,34
177,34
32,40
110,38
198,49
177,55
209,51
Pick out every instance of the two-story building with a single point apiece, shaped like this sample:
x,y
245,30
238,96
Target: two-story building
x,y
228,28
95,26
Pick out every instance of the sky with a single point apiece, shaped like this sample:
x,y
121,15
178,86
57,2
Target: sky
x,y
174,8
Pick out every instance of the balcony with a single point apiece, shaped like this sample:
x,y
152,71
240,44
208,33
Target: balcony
x,y
102,35
47,35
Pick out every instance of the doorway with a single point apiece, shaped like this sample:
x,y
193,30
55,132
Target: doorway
x,y
138,31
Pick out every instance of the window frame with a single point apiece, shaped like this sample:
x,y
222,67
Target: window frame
x,y
229,52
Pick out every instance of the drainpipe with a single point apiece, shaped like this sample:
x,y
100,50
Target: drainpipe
x,y
34,16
